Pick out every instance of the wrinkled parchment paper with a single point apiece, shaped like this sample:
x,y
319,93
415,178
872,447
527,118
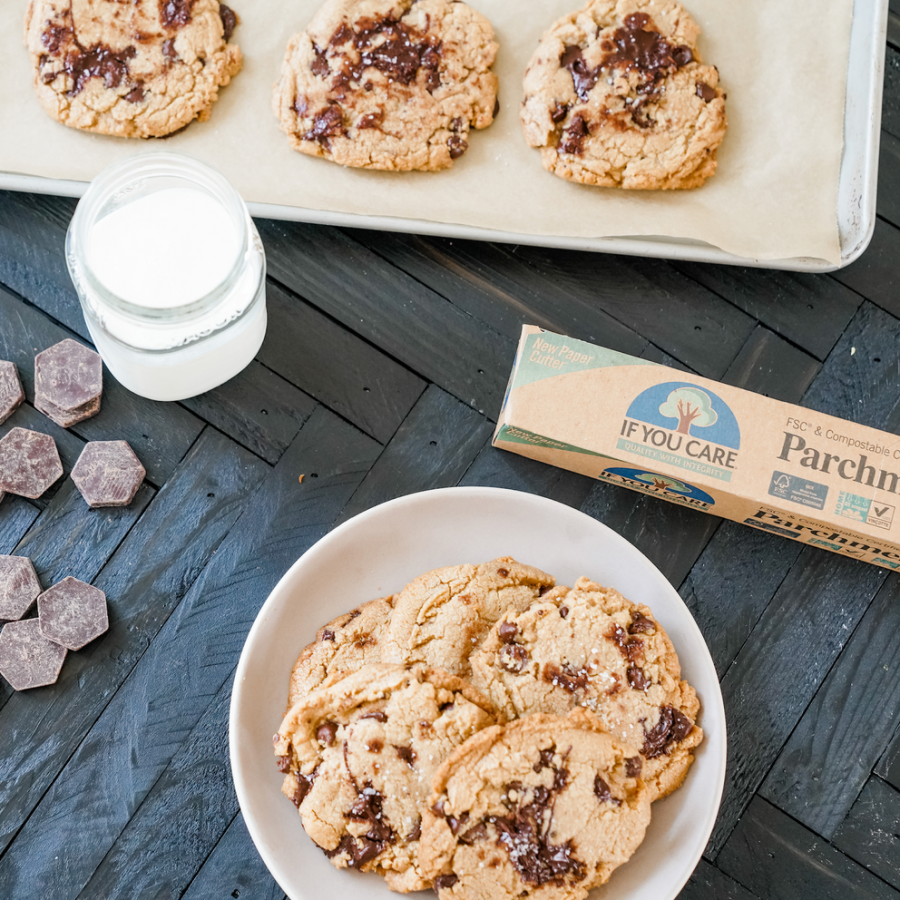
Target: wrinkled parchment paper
x,y
783,64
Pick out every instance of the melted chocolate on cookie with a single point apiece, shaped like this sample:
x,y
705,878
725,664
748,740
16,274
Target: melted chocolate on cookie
x,y
525,832
673,726
634,47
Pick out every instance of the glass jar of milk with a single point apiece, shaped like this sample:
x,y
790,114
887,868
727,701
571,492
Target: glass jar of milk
x,y
171,275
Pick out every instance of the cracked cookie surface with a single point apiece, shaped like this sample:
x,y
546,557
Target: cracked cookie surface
x,y
547,806
590,647
359,757
388,85
344,645
146,68
616,96
442,616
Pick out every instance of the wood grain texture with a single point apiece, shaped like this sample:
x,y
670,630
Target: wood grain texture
x,y
16,516
671,536
337,368
256,408
810,311
889,765
234,870
159,433
709,883
494,283
890,108
70,538
499,468
860,380
888,202
874,275
179,821
769,685
650,297
392,310
778,859
769,365
143,582
432,448
832,751
168,691
871,832
32,254
731,584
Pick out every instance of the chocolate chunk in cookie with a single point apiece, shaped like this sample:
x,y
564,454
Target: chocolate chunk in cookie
x,y
360,755
388,85
341,647
605,654
545,806
143,69
443,616
616,96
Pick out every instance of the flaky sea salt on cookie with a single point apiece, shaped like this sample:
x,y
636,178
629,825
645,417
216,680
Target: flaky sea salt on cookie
x,y
144,68
590,647
616,96
442,616
359,757
548,807
388,84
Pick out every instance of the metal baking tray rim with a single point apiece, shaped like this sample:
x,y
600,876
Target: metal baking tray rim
x,y
856,192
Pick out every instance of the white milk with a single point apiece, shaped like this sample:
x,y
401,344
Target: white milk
x,y
166,249
171,275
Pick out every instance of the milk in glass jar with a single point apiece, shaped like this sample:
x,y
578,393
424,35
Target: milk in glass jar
x,y
171,275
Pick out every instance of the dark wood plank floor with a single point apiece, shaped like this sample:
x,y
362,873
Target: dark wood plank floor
x,y
382,373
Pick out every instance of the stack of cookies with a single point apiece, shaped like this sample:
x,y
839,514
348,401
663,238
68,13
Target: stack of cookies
x,y
487,733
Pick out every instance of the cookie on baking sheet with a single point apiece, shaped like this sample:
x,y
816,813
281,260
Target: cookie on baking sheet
x,y
590,647
144,68
359,757
616,96
443,615
547,806
345,645
388,84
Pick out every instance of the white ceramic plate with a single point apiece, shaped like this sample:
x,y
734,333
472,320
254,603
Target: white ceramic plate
x,y
376,554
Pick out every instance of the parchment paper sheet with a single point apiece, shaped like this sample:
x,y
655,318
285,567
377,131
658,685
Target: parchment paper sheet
x,y
783,64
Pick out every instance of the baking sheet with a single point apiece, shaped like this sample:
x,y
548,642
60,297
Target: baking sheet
x,y
775,196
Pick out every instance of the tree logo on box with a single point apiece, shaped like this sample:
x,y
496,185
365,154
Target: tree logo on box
x,y
682,424
692,407
659,485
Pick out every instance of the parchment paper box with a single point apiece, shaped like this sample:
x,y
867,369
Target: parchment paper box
x,y
794,472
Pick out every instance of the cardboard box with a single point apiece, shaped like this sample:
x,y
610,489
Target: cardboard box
x,y
790,471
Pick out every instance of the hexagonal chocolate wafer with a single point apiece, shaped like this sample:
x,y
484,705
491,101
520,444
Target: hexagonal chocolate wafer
x,y
19,586
11,393
68,382
108,474
27,658
29,463
72,613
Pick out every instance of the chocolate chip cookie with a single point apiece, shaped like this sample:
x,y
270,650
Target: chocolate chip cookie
x,y
388,84
546,806
144,68
345,645
443,615
359,757
590,647
616,96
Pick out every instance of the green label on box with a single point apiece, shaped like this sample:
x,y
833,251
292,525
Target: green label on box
x,y
547,355
520,436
